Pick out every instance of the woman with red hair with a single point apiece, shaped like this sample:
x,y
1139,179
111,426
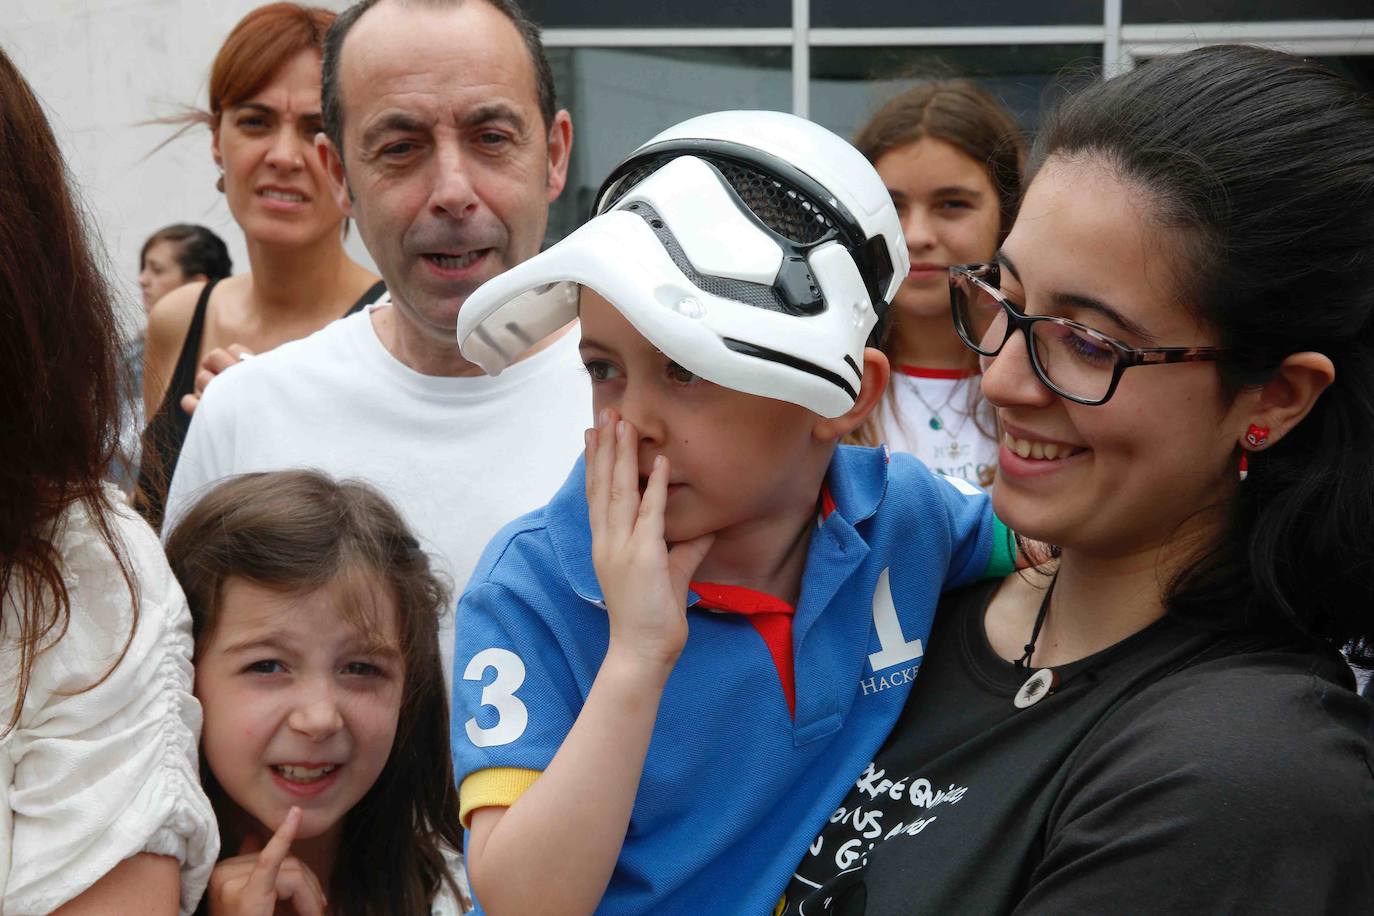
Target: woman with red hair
x,y
263,116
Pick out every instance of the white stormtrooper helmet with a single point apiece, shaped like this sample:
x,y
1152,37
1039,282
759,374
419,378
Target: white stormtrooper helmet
x,y
754,248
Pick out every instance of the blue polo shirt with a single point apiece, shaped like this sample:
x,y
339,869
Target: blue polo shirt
x,y
734,785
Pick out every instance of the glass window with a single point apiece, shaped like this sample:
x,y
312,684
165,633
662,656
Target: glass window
x,y
839,14
848,84
1162,11
619,98
648,14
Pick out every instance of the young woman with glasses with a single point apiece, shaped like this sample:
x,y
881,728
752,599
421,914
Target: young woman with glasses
x,y
950,155
1178,338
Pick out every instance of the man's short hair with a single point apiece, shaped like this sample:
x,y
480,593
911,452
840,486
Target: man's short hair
x,y
332,100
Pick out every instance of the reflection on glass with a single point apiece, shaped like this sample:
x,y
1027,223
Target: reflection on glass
x,y
848,84
841,14
1175,11
637,14
619,98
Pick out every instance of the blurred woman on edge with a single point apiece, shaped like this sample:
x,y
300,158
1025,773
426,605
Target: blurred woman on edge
x,y
101,809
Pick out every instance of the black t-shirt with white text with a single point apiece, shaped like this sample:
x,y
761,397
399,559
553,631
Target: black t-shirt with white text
x,y
1177,771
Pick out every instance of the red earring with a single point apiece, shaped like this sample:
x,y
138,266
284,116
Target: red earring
x,y
1256,436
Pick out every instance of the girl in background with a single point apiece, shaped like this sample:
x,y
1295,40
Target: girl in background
x,y
171,257
101,809
951,157
264,114
317,662
179,254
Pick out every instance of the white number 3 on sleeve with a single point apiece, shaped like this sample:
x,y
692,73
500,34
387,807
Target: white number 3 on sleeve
x,y
512,716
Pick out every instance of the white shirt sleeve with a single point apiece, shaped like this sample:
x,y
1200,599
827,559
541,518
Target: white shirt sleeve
x,y
102,773
206,455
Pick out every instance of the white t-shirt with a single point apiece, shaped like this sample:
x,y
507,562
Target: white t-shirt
x,y
90,777
459,457
932,422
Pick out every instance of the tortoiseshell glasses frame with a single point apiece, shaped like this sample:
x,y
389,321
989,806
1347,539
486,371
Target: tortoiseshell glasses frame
x,y
1074,361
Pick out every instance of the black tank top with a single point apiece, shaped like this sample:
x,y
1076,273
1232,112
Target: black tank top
x,y
166,431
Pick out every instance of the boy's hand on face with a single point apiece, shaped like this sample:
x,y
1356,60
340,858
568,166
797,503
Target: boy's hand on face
x,y
251,883
643,580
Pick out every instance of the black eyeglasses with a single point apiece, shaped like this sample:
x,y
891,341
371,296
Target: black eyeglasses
x,y
1072,360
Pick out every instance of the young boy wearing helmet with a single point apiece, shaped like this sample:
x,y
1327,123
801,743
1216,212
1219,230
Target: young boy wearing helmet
x,y
615,753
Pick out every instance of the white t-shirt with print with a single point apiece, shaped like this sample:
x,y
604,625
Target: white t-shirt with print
x,y
925,398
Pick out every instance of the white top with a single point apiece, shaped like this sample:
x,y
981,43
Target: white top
x,y
445,903
90,777
958,448
459,457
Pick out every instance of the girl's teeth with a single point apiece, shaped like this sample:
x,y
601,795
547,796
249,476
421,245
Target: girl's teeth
x,y
304,774
1039,451
283,195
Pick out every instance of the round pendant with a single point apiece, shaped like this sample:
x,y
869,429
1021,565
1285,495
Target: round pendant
x,y
936,424
1038,686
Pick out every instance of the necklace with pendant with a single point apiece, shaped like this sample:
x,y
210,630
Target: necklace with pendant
x,y
1044,682
937,422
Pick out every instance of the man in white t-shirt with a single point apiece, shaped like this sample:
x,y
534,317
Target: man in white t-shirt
x,y
445,145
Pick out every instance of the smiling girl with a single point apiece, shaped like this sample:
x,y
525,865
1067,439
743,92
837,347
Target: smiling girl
x,y
315,616
950,156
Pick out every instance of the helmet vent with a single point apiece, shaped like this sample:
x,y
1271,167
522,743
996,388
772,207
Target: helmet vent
x,y
786,211
755,294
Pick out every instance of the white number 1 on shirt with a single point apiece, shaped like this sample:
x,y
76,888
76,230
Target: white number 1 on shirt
x,y
512,716
893,647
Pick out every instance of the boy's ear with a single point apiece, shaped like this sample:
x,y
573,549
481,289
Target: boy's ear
x,y
876,372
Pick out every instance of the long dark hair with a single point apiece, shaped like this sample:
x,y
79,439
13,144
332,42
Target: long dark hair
x,y
1260,169
58,369
962,114
299,531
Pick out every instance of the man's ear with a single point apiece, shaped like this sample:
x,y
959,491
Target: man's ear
x,y
560,148
875,377
1282,402
332,161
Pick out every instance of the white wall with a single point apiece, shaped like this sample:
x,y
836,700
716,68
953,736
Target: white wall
x,y
103,66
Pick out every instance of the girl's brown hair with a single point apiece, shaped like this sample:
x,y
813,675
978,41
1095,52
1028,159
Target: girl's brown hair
x,y
963,115
58,359
297,532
